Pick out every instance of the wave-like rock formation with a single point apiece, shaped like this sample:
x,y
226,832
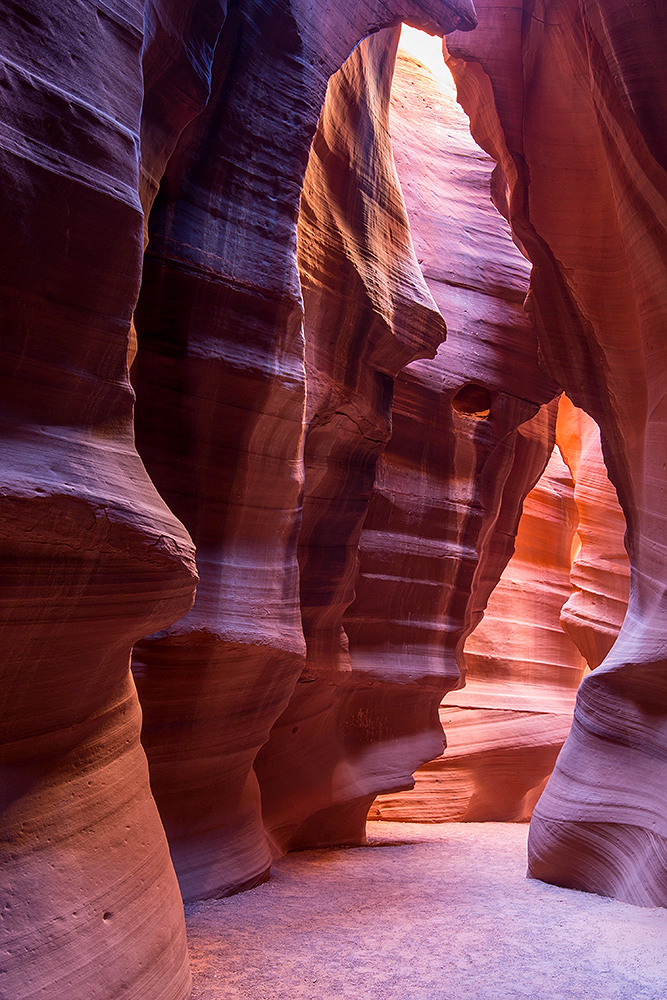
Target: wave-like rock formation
x,y
506,727
221,385
91,558
471,431
209,113
368,312
570,99
341,568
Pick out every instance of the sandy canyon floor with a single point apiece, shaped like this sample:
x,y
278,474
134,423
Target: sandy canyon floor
x,y
424,912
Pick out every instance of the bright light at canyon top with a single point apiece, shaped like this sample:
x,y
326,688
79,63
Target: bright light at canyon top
x,y
428,50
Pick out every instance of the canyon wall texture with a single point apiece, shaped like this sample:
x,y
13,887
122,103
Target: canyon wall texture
x,y
351,480
367,313
569,98
506,727
471,431
600,575
364,713
221,382
92,558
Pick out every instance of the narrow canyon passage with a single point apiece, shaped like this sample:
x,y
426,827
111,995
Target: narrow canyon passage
x,y
426,912
301,341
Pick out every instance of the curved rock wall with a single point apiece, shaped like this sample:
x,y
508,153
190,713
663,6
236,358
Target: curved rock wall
x,y
220,381
94,100
204,113
568,98
469,437
91,557
506,727
368,312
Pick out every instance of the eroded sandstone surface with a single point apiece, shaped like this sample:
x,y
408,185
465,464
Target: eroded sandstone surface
x,y
91,557
600,575
506,727
569,98
566,583
107,109
221,381
351,480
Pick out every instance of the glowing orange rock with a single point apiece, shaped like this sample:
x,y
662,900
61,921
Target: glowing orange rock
x,y
594,614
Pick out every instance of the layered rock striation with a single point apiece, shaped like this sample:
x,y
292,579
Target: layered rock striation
x,y
472,430
506,727
220,377
101,107
594,613
568,98
91,557
341,568
570,569
367,313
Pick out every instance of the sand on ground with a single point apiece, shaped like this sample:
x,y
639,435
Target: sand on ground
x,y
424,912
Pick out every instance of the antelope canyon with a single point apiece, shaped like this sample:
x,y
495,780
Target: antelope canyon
x,y
332,410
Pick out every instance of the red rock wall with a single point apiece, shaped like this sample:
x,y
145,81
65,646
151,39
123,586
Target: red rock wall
x,y
368,312
450,484
569,98
220,380
507,725
205,116
91,557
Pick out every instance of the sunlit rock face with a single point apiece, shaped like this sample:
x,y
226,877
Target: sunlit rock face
x,y
446,491
469,435
506,727
570,569
220,377
569,99
600,575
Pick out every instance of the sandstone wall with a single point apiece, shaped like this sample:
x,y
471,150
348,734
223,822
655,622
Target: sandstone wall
x,y
221,386
368,312
507,725
203,114
91,557
471,430
568,97
594,613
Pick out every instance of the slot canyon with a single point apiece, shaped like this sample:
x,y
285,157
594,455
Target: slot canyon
x,y
334,456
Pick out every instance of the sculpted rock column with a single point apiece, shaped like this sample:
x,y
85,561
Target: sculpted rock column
x,y
91,559
472,432
566,95
368,313
220,417
507,725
